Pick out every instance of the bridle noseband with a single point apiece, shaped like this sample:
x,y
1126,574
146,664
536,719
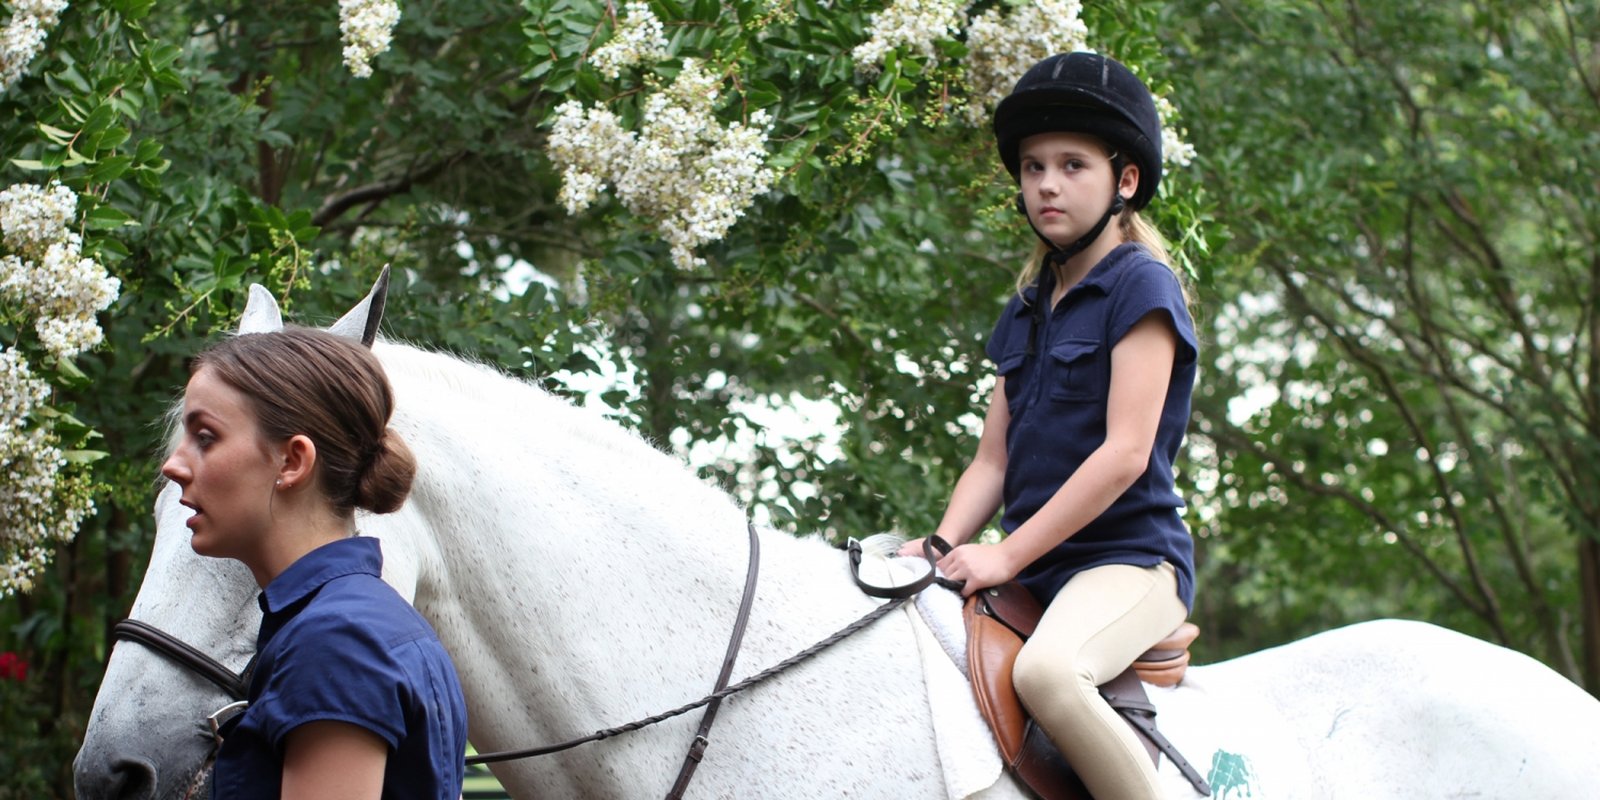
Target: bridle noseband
x,y
237,685
184,655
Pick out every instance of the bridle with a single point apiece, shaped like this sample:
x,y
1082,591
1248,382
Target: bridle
x,y
186,656
237,684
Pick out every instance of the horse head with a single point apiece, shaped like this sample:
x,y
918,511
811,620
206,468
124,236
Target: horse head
x,y
148,734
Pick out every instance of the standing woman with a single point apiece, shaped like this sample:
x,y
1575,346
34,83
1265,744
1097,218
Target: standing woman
x,y
1096,358
284,435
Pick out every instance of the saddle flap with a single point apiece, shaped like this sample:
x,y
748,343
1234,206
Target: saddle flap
x,y
991,651
1042,767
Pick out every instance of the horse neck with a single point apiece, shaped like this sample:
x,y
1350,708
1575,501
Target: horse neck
x,y
569,550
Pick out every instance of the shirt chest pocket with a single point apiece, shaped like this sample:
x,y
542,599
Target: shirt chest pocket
x,y
1076,374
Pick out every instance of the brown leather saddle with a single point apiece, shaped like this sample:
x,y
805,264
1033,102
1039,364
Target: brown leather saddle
x,y
998,621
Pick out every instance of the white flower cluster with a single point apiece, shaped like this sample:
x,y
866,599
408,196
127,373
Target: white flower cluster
x,y
35,508
1000,49
45,271
1174,150
912,26
640,38
689,174
367,27
24,35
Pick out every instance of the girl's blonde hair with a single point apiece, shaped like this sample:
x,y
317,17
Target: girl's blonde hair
x,y
1134,228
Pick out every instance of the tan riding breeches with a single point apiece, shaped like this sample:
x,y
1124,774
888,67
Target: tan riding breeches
x,y
1101,621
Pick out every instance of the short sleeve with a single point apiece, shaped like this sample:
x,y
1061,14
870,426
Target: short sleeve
x,y
1006,333
1150,286
333,668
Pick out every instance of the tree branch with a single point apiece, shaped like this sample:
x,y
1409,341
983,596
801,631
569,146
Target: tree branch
x,y
1225,432
336,205
1577,62
1491,604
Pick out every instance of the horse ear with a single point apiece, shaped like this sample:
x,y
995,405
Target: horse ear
x,y
261,314
362,321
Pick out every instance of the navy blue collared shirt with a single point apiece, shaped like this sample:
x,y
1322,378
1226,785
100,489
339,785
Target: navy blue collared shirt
x,y
1057,395
337,643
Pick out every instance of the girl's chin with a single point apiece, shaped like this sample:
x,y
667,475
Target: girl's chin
x,y
1058,232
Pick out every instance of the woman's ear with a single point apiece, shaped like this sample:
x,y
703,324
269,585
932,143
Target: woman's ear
x,y
299,461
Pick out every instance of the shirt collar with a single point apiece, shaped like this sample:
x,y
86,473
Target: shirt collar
x,y
1101,278
352,556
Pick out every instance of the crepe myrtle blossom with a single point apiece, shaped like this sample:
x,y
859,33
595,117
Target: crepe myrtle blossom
x,y
34,217
1174,150
45,277
23,37
44,273
38,504
1001,48
640,38
366,27
687,173
911,26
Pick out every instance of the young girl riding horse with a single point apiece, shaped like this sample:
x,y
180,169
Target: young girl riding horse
x,y
1096,357
284,435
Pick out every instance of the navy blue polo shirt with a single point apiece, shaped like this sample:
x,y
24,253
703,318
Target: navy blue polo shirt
x,y
1057,398
337,643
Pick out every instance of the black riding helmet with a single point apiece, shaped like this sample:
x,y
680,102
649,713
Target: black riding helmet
x,y
1084,93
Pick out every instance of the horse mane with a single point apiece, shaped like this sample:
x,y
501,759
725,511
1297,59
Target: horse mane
x,y
579,437
488,383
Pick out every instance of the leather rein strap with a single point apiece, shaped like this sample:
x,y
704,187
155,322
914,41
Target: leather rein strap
x,y
697,747
899,595
236,685
932,548
713,701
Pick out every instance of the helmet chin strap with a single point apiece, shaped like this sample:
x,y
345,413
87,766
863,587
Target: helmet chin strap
x,y
1058,256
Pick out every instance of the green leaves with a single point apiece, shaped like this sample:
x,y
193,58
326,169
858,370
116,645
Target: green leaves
x,y
131,9
1394,227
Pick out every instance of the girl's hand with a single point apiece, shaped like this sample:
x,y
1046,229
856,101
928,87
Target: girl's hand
x,y
980,565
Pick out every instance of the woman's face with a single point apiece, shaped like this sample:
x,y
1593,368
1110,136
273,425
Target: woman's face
x,y
1066,183
226,470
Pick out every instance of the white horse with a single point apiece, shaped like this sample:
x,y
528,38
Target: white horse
x,y
582,579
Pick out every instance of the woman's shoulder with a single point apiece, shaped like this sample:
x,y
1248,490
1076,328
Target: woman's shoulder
x,y
360,607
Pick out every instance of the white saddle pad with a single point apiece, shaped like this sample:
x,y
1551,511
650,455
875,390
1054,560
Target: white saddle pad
x,y
968,757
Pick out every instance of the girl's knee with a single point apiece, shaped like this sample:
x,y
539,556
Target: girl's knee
x,y
1031,677
1040,675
